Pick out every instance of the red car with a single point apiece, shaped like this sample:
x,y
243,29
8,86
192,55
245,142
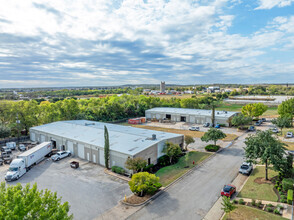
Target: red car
x,y
228,190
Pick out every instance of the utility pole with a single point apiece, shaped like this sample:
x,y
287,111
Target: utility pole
x,y
17,123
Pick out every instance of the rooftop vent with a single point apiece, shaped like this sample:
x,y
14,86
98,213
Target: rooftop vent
x,y
217,113
153,136
86,124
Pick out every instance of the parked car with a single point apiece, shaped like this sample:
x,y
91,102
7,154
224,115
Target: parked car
x,y
258,123
228,190
251,128
206,124
275,130
246,168
22,147
194,128
263,119
6,149
217,126
289,134
60,155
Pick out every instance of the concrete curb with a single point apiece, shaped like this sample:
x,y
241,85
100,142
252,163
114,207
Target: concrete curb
x,y
106,171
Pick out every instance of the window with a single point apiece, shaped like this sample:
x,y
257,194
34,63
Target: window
x,y
149,161
167,116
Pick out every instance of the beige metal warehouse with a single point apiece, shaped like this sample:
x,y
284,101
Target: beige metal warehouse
x,y
85,139
195,116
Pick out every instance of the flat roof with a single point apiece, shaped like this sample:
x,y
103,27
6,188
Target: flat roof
x,y
124,139
189,111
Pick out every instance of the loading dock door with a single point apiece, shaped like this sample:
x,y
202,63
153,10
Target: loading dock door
x,y
81,151
70,147
33,137
192,119
183,118
42,138
101,157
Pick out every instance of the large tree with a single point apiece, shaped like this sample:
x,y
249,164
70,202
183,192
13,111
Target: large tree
x,y
4,131
254,109
287,109
265,148
171,150
188,140
106,147
282,122
213,134
18,202
240,119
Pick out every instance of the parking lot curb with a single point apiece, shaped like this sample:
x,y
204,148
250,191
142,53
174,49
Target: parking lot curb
x,y
106,171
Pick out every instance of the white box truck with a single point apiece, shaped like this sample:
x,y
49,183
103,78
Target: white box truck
x,y
26,160
11,145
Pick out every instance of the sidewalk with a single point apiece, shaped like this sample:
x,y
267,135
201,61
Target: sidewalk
x,y
216,212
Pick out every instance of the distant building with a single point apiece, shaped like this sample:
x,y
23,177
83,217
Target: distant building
x,y
189,92
162,87
212,89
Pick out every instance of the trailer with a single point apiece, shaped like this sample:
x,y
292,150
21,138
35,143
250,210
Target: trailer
x,y
26,160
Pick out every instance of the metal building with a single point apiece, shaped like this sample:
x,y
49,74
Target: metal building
x,y
196,116
85,139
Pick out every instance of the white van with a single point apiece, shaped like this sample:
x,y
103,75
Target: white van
x,y
11,145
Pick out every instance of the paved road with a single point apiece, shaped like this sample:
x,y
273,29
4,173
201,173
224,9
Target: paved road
x,y
193,197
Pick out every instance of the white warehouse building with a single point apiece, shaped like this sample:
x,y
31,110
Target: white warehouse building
x,y
85,139
196,116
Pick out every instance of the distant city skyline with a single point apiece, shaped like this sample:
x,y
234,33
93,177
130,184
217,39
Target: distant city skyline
x,y
111,43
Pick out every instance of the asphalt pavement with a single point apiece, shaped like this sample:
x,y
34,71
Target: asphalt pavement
x,y
192,197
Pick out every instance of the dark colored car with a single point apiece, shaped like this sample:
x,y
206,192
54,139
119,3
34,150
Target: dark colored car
x,y
228,190
6,149
263,119
257,123
251,128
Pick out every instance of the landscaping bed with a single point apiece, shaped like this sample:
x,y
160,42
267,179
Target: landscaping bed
x,y
135,200
258,188
248,213
170,173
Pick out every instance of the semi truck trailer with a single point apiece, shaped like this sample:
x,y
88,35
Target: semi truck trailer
x,y
24,162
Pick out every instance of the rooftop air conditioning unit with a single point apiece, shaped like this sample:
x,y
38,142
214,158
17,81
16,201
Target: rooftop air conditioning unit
x,y
153,136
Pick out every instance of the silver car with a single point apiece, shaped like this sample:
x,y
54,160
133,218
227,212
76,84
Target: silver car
x,y
246,168
60,155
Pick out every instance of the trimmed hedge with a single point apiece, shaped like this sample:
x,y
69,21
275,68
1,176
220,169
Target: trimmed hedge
x,y
148,168
118,170
212,148
290,196
163,161
287,183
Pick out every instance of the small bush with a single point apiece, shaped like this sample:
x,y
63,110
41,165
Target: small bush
x,y
149,168
290,196
270,205
279,189
253,202
283,197
241,202
281,193
283,201
118,170
268,209
259,203
276,185
163,161
287,183
222,125
235,201
277,211
212,148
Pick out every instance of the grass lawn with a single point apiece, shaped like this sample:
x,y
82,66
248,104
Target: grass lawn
x,y
290,145
247,213
195,134
258,191
170,173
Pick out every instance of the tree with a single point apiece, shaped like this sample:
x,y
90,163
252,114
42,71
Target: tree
x,y
287,109
135,164
188,140
106,147
228,206
282,122
4,131
213,134
171,150
240,119
254,109
144,183
266,148
286,166
18,202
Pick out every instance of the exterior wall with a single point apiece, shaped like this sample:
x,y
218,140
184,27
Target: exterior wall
x,y
118,159
150,152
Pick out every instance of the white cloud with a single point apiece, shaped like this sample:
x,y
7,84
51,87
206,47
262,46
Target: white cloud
x,y
269,4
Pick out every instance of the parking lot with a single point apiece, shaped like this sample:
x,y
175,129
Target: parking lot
x,y
89,191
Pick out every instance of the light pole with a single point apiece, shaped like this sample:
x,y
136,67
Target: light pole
x,y
17,123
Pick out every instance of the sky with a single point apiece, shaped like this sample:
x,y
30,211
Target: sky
x,y
115,42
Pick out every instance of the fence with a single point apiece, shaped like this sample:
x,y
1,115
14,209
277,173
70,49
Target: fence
x,y
14,139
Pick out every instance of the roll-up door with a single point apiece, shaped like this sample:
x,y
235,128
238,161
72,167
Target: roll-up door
x,y
101,157
81,151
70,147
42,138
33,136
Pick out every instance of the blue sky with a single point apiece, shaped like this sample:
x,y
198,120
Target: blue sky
x,y
86,42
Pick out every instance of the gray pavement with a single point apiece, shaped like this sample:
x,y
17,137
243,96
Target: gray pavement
x,y
89,191
193,197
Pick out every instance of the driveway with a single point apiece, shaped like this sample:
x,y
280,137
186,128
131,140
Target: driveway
x,y
89,191
192,197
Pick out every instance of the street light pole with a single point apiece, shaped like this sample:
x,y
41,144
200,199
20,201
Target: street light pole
x,y
17,123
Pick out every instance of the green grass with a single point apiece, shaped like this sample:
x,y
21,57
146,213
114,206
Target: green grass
x,y
170,173
247,213
238,107
258,191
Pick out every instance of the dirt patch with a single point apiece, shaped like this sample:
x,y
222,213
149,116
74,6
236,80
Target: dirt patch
x,y
133,199
262,180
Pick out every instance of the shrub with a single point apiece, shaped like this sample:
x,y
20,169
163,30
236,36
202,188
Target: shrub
x,y
279,189
268,209
241,202
281,193
222,125
277,211
163,161
235,201
283,201
276,185
148,168
283,197
287,183
253,202
212,148
259,203
118,170
270,205
290,196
